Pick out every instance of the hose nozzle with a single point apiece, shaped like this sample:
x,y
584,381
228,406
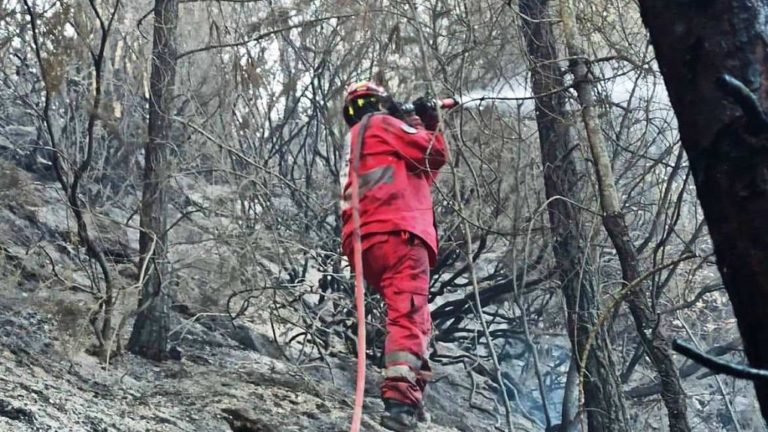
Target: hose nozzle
x,y
447,103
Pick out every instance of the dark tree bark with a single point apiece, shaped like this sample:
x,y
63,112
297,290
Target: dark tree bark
x,y
724,132
603,399
149,337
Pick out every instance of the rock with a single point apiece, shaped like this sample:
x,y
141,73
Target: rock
x,y
111,237
254,341
12,412
174,353
240,421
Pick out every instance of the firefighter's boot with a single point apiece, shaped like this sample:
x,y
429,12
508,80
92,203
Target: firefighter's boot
x,y
400,417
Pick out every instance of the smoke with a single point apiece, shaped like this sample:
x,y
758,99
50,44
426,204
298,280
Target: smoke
x,y
514,95
505,97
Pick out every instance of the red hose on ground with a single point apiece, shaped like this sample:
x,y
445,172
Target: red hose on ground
x,y
357,414
360,305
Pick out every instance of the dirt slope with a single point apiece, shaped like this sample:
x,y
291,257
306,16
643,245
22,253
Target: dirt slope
x,y
217,386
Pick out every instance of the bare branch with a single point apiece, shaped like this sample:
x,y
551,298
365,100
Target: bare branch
x,y
717,365
261,35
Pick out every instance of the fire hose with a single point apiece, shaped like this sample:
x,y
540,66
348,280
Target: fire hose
x,y
357,246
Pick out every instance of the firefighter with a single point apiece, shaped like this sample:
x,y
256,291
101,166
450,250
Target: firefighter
x,y
398,163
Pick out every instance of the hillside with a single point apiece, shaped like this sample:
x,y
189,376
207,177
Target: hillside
x,y
229,376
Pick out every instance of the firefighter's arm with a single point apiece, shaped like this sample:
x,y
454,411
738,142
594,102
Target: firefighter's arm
x,y
436,162
424,150
426,111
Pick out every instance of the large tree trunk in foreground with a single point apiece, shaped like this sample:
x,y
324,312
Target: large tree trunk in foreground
x,y
602,395
149,337
727,145
654,341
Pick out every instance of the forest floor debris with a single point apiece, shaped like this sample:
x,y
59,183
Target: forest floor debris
x,y
220,387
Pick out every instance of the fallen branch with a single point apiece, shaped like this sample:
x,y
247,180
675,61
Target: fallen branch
x,y
685,372
717,365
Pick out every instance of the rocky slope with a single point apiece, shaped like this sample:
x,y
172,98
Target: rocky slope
x,y
229,378
218,385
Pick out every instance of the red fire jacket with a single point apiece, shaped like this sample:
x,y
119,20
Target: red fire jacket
x,y
398,164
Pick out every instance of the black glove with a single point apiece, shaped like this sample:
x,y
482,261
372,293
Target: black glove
x,y
426,109
395,109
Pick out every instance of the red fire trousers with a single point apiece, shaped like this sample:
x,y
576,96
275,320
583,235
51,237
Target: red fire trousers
x,y
396,264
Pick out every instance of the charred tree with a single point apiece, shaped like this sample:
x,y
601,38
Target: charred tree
x,y
71,173
602,391
655,342
699,47
149,337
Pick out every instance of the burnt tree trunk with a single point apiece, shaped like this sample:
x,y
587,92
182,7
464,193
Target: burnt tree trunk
x,y
149,337
70,184
655,342
602,395
697,43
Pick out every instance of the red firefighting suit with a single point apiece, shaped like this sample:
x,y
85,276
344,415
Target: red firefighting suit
x,y
398,164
